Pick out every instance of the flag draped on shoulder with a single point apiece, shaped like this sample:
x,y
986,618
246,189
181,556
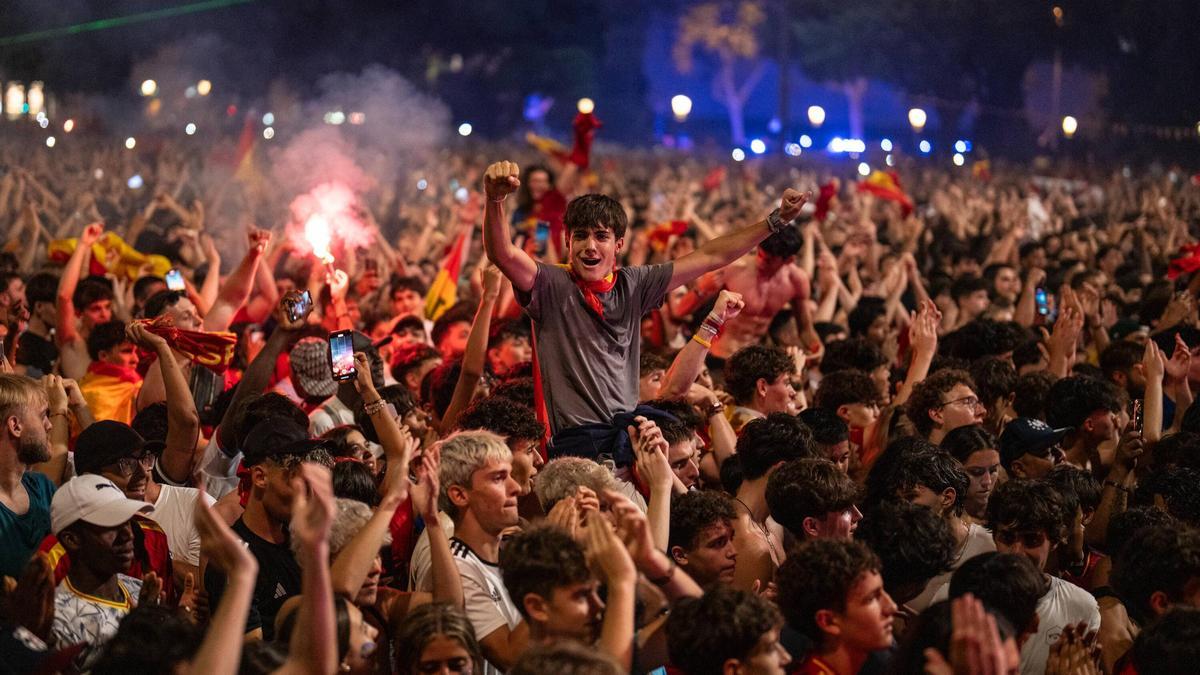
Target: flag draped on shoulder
x,y
443,292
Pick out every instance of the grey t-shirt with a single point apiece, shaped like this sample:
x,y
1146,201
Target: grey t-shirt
x,y
590,365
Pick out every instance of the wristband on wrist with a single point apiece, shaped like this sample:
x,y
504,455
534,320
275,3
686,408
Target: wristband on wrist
x,y
706,343
714,409
374,406
1115,484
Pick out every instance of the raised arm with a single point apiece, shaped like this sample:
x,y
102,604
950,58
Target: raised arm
x,y
398,444
221,651
475,356
212,278
354,561
313,648
65,328
500,180
60,431
689,362
258,373
719,252
238,285
447,584
183,421
607,554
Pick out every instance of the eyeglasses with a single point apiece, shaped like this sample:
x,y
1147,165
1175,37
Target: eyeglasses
x,y
969,401
1031,539
126,465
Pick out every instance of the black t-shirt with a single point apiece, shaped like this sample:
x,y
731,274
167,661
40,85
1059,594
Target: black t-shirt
x,y
278,580
34,351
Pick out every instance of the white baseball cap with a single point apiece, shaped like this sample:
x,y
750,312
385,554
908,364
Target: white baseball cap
x,y
92,499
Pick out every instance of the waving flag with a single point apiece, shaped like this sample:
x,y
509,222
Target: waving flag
x,y
443,293
886,185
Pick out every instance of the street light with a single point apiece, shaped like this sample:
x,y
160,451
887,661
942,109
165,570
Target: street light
x,y
1070,125
917,118
816,115
203,87
586,106
682,106
149,87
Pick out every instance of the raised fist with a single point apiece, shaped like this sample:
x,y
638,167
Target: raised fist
x,y
792,202
728,305
91,234
259,239
501,179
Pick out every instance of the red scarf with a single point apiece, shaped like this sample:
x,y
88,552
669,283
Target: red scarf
x,y
116,372
591,288
212,350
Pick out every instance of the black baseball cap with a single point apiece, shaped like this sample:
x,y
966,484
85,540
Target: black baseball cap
x,y
271,438
104,443
1027,435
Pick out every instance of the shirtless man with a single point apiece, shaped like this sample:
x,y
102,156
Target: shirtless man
x,y
767,283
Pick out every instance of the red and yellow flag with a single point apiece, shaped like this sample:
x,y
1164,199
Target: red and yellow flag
x,y
886,185
211,349
443,292
110,255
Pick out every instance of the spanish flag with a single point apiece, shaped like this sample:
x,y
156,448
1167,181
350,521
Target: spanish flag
x,y
444,291
110,255
886,185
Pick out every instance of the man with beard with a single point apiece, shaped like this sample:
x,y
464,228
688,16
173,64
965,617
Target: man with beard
x,y
24,495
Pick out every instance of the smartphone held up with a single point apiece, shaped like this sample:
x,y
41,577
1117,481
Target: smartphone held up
x,y
341,355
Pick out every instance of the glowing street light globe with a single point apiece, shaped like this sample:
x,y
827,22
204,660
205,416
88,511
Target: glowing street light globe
x,y
816,115
885,145
1070,125
805,141
681,106
959,160
917,118
203,87
738,154
586,105
757,146
864,169
465,129
50,141
149,87
130,142
68,126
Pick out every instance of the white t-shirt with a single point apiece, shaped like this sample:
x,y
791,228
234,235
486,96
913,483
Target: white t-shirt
x,y
332,414
484,596
1064,604
420,566
978,541
175,514
79,617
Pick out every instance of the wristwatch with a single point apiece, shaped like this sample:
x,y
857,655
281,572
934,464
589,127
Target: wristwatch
x,y
715,409
774,222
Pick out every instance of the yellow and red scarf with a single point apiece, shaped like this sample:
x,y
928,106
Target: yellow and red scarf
x,y
213,350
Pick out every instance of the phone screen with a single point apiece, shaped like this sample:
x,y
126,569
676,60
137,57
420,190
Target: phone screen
x,y
1043,304
543,236
175,280
299,308
341,355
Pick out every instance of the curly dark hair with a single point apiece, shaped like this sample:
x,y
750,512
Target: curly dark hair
x,y
695,511
995,379
1120,357
1122,526
682,410
963,442
784,243
1031,393
808,488
770,440
1157,558
928,395
913,544
437,387
1178,449
1169,646
864,314
105,337
839,564
1033,505
982,338
512,420
518,389
506,329
856,353
1007,583
827,428
1076,398
705,632
935,470
1179,488
408,358
846,387
592,210
1077,487
650,362
750,364
150,639
539,560
564,658
878,484
151,422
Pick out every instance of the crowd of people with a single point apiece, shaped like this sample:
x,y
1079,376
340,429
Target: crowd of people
x,y
657,412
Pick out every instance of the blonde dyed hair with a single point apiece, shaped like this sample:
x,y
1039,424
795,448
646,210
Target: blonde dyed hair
x,y
18,392
464,453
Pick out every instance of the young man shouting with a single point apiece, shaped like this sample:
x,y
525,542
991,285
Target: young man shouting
x,y
587,316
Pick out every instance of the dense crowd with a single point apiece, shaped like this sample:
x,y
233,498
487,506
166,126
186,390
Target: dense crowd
x,y
553,411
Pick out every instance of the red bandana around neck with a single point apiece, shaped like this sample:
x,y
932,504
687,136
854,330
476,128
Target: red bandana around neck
x,y
591,288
